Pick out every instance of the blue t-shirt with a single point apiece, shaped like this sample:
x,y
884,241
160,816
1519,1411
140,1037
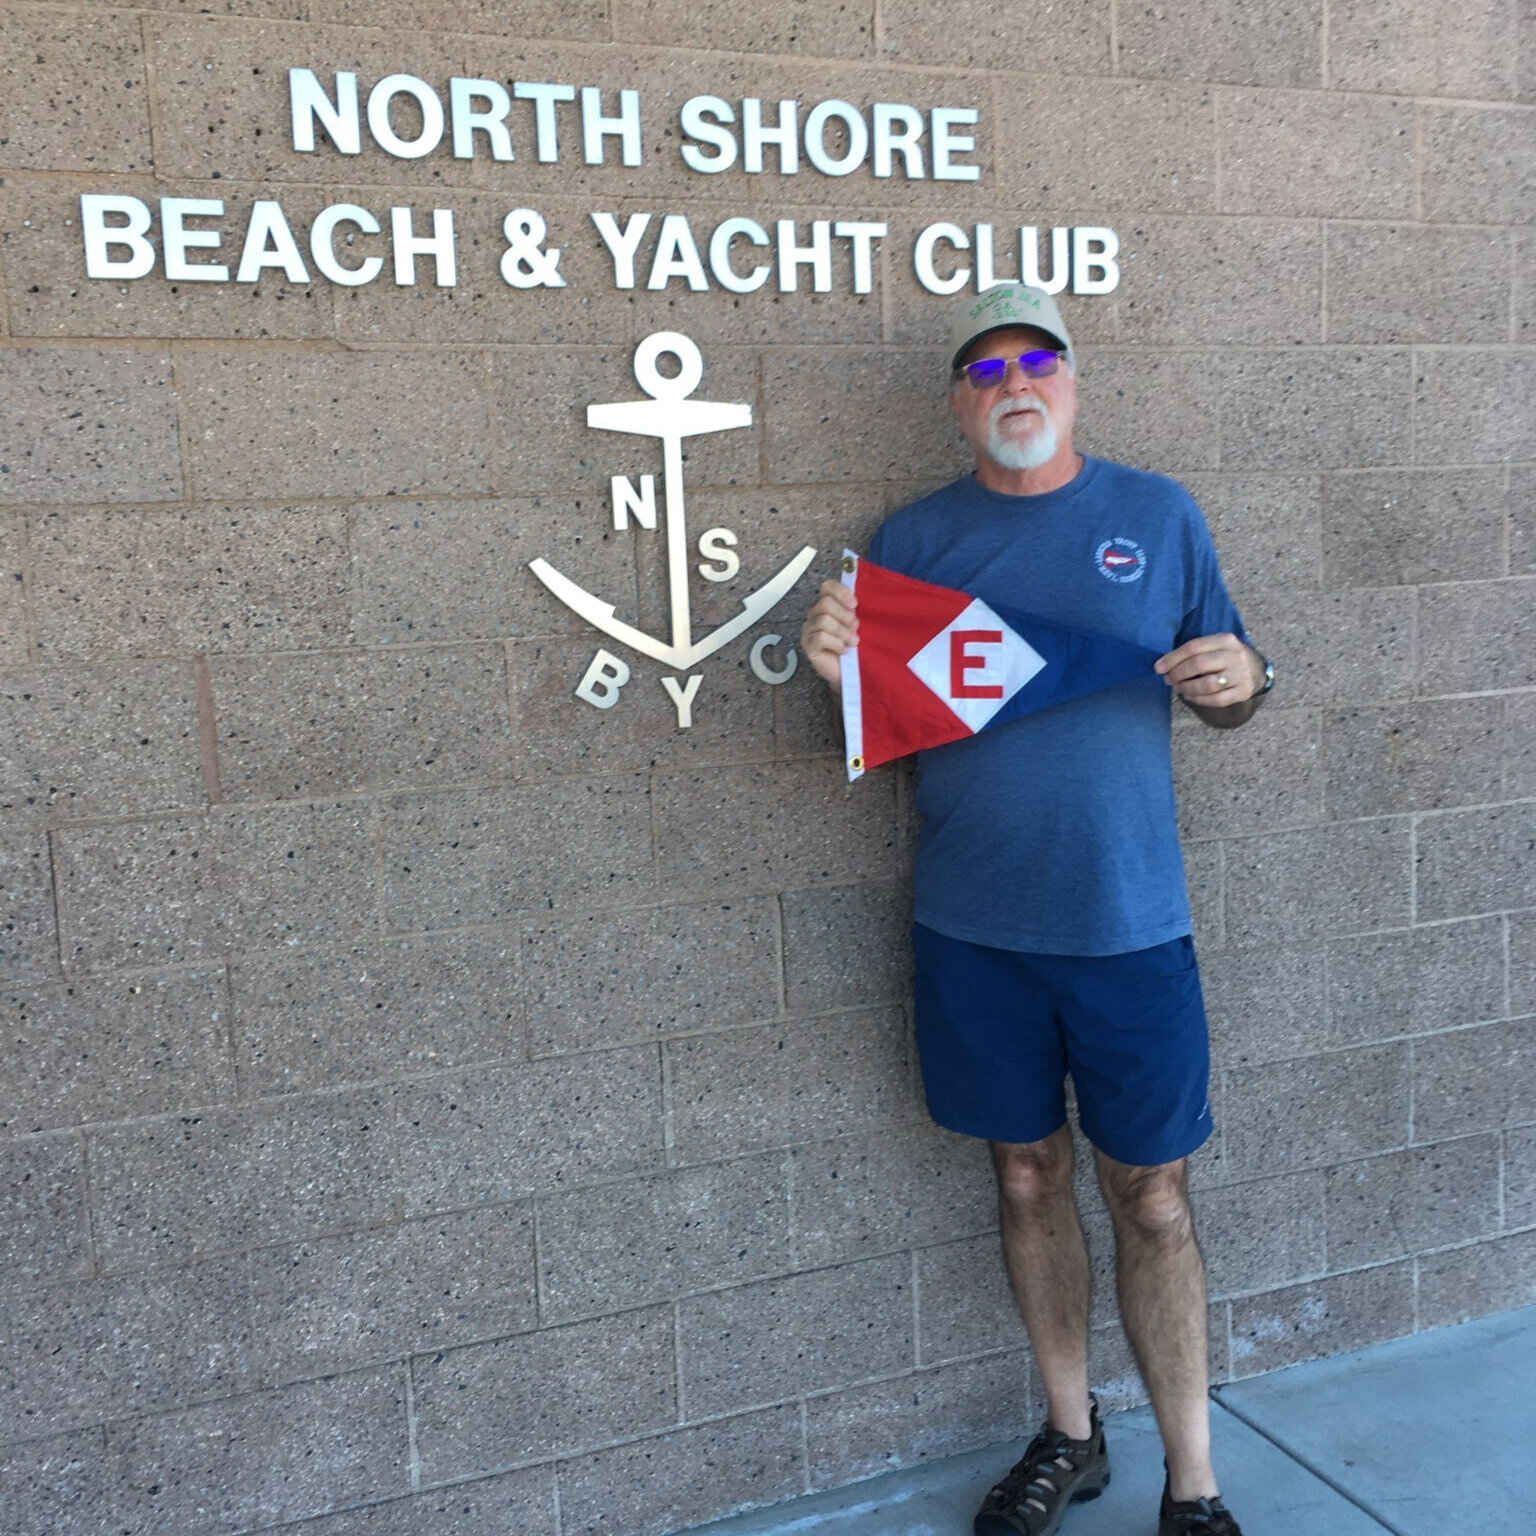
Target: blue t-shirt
x,y
1056,833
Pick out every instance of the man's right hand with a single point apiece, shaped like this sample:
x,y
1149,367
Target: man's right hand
x,y
830,629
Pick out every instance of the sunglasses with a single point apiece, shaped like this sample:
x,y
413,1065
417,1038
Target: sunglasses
x,y
991,371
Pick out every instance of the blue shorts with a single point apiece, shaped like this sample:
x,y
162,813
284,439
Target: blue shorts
x,y
998,1031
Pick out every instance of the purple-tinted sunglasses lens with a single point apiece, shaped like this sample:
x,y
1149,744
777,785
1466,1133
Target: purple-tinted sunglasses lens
x,y
992,370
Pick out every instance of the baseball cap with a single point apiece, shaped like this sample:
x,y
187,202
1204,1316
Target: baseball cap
x,y
999,308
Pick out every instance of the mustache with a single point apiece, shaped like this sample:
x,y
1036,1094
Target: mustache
x,y
1008,407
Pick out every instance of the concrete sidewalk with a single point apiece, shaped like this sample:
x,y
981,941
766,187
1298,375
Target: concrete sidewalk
x,y
1426,1436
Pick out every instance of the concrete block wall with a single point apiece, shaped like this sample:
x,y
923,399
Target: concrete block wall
x,y
433,1106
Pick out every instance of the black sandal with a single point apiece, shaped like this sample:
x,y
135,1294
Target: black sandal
x,y
1055,1471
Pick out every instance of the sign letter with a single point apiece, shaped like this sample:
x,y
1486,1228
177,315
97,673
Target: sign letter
x,y
600,683
682,696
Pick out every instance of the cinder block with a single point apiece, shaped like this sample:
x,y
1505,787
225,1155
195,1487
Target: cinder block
x,y
1275,44
170,890
481,306
1471,405
43,1219
1420,49
731,714
1205,879
307,423
814,430
1323,1317
1405,527
178,582
1286,887
1413,757
1475,636
973,34
333,1305
656,1486
1285,1114
1266,1003
231,1178
805,1333
49,293
1262,1234
1475,861
522,1501
1211,282
965,1304
1313,409
846,946
1477,165
1522,963
104,1050
1473,1079
1267,776
213,72
577,1118
875,1194
479,855
77,94
759,827
1519,1163
452,570
15,624
1519,746
600,979
63,1485
141,893
1121,144
1395,283
1336,647
941,1412
270,1456
419,1005
539,1394
643,1240
29,942
87,424
530,18
539,398
1416,980
1156,410
306,726
787,1337
1470,1282
776,1085
1311,153
114,1347
1428,1197
99,741
1267,529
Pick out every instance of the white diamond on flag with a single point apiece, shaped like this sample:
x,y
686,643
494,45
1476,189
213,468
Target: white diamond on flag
x,y
976,664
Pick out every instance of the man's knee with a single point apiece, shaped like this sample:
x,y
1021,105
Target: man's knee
x,y
1150,1203
1032,1175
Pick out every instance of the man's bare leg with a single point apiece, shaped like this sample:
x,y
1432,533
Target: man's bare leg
x,y
1161,1280
1047,1262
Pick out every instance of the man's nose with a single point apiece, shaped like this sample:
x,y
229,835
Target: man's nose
x,y
1015,380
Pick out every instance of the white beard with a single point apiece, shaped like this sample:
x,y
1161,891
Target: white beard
x,y
1014,453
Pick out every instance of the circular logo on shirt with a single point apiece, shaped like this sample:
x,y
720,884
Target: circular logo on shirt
x,y
1121,560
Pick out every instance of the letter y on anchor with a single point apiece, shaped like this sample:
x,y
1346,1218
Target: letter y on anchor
x,y
670,415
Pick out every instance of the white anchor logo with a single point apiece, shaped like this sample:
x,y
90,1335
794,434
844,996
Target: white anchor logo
x,y
670,415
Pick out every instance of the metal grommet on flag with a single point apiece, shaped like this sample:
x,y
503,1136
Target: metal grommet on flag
x,y
856,763
849,562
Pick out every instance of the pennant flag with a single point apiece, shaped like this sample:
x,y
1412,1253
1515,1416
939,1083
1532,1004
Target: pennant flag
x,y
933,665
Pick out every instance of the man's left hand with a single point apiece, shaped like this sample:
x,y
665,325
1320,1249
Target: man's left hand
x,y
1213,672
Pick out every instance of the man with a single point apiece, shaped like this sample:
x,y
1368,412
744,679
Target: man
x,y
1051,925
